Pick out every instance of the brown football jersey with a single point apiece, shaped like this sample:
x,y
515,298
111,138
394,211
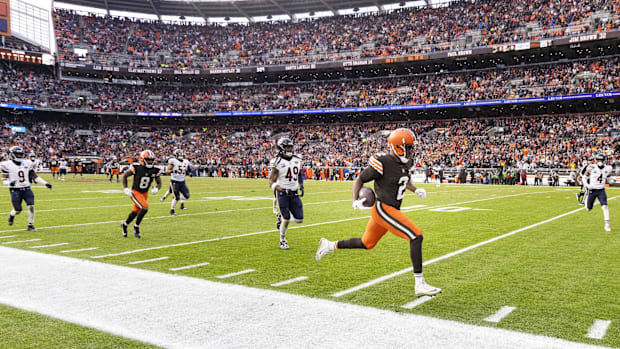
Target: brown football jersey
x,y
391,178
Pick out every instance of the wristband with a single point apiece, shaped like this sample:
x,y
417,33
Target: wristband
x,y
274,185
40,180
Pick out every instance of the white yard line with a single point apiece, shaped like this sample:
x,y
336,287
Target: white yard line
x,y
225,276
293,227
17,242
8,236
52,245
417,302
289,281
451,254
501,313
148,260
189,266
598,329
117,221
80,250
196,313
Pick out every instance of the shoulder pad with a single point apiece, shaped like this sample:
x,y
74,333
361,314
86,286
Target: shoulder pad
x,y
297,156
376,164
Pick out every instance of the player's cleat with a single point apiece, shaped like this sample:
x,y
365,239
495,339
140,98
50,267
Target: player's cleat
x,y
424,289
607,227
11,219
136,231
283,244
278,220
183,206
325,247
172,213
124,227
162,198
31,228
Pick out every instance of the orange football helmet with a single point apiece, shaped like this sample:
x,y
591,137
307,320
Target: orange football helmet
x,y
401,142
147,158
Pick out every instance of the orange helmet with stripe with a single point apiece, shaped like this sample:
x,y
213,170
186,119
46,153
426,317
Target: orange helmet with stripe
x,y
401,143
147,158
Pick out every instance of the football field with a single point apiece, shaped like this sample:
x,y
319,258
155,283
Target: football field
x,y
525,259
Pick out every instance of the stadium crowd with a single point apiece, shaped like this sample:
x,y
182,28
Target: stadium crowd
x,y
465,23
542,142
40,88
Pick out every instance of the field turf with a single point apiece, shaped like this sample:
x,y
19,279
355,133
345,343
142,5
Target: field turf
x,y
560,275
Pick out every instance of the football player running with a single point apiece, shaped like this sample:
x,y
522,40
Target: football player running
x,y
285,179
391,174
114,168
177,169
17,174
144,174
597,175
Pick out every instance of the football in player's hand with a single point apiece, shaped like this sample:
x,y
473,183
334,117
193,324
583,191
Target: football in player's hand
x,y
369,195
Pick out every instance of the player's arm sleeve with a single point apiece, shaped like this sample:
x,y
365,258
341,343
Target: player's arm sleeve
x,y
369,174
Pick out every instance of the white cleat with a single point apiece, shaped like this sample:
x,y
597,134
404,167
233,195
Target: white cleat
x,y
607,227
283,244
424,289
325,247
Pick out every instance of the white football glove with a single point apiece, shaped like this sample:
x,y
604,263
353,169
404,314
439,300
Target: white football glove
x,y
154,190
127,192
421,193
359,204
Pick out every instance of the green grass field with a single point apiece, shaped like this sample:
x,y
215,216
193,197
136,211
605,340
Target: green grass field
x,y
561,275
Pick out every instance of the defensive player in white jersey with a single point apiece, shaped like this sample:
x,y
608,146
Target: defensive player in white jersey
x,y
35,162
286,179
17,174
177,169
597,175
63,166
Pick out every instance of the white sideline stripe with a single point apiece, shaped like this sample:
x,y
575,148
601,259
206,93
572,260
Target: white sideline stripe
x,y
598,329
198,313
168,216
501,313
8,236
80,250
271,231
417,302
451,254
189,266
235,274
290,281
52,245
148,260
16,242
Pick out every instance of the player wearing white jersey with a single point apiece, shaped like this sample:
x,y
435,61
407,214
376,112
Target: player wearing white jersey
x,y
36,163
285,180
17,174
63,166
596,176
177,168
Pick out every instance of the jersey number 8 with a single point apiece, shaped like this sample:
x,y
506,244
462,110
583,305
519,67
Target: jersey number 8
x,y
144,182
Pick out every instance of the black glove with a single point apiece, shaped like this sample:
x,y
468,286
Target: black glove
x,y
301,190
48,185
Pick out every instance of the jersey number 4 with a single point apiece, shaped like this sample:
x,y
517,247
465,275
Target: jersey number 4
x,y
292,175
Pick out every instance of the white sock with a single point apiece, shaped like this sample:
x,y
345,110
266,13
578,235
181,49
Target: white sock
x,y
605,213
283,229
13,213
419,278
30,215
174,203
